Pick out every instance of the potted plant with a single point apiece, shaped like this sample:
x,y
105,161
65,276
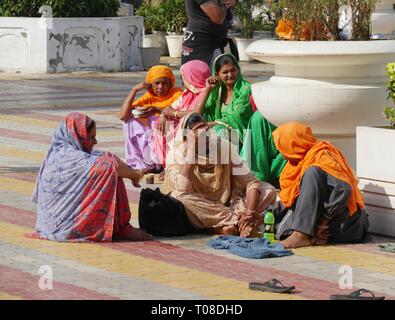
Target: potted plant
x,y
152,45
331,85
375,162
154,30
175,20
250,14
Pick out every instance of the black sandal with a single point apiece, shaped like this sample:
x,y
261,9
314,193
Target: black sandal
x,y
356,295
273,285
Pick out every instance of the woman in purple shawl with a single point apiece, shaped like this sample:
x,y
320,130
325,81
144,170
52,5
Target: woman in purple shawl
x,y
79,192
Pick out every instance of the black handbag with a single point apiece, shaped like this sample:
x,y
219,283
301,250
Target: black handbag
x,y
161,214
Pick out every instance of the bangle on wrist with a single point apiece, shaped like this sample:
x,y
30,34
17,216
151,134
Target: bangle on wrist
x,y
322,227
175,114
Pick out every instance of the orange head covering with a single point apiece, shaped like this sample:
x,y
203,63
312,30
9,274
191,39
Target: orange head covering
x,y
149,99
297,144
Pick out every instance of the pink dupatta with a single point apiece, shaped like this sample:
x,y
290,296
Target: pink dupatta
x,y
194,74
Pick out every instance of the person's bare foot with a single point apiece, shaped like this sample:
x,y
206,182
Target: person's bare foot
x,y
230,230
296,240
136,234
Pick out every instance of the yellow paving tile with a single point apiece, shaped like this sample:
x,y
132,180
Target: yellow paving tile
x,y
15,185
32,122
7,296
161,272
355,259
23,154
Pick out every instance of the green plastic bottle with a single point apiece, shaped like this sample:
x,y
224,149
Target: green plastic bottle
x,y
269,220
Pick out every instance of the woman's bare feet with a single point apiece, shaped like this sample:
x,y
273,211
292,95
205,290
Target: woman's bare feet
x,y
296,240
135,234
232,230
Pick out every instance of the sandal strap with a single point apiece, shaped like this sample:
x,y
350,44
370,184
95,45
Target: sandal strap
x,y
360,292
274,282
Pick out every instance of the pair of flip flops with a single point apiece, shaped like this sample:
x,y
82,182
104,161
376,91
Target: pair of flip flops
x,y
273,285
388,247
356,295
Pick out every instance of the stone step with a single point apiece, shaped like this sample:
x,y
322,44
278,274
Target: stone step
x,y
378,193
382,220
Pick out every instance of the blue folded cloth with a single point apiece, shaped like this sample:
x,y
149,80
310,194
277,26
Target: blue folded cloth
x,y
254,248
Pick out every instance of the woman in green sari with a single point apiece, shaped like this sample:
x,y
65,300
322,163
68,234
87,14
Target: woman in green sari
x,y
228,109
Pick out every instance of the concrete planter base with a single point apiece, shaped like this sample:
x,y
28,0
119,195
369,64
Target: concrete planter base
x,y
242,44
375,169
150,57
156,40
332,86
51,45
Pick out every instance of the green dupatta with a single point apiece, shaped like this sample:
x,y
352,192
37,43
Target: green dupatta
x,y
238,112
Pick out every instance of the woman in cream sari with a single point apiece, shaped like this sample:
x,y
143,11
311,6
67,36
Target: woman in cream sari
x,y
219,192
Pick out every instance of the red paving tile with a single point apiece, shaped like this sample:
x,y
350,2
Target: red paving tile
x,y
29,177
308,287
25,285
230,268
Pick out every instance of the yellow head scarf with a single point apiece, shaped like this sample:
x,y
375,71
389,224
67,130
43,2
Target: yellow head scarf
x,y
149,99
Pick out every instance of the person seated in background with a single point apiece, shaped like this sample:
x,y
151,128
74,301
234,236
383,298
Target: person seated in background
x,y
79,192
320,199
140,116
229,108
194,75
219,192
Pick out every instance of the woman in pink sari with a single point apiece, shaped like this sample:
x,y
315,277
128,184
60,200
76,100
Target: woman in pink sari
x,y
194,75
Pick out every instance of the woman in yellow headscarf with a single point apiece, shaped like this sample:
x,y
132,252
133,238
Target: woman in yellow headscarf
x,y
139,116
319,191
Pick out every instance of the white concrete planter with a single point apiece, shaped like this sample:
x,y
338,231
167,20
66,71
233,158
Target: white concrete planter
x,y
262,35
333,86
174,44
41,45
242,44
376,172
156,40
383,19
150,57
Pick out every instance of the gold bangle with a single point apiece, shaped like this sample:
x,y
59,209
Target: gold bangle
x,y
175,114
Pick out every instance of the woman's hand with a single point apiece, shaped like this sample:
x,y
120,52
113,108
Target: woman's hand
x,y
321,232
228,3
211,83
136,177
141,86
168,112
162,124
212,124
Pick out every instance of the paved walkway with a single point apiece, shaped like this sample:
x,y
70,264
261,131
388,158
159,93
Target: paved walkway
x,y
167,268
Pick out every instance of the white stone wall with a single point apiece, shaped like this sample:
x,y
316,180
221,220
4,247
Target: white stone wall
x,y
41,45
376,173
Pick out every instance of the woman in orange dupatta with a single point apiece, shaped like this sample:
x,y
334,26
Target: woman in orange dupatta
x,y
139,116
319,191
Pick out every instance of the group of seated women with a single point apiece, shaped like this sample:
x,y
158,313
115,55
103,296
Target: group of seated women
x,y
217,155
